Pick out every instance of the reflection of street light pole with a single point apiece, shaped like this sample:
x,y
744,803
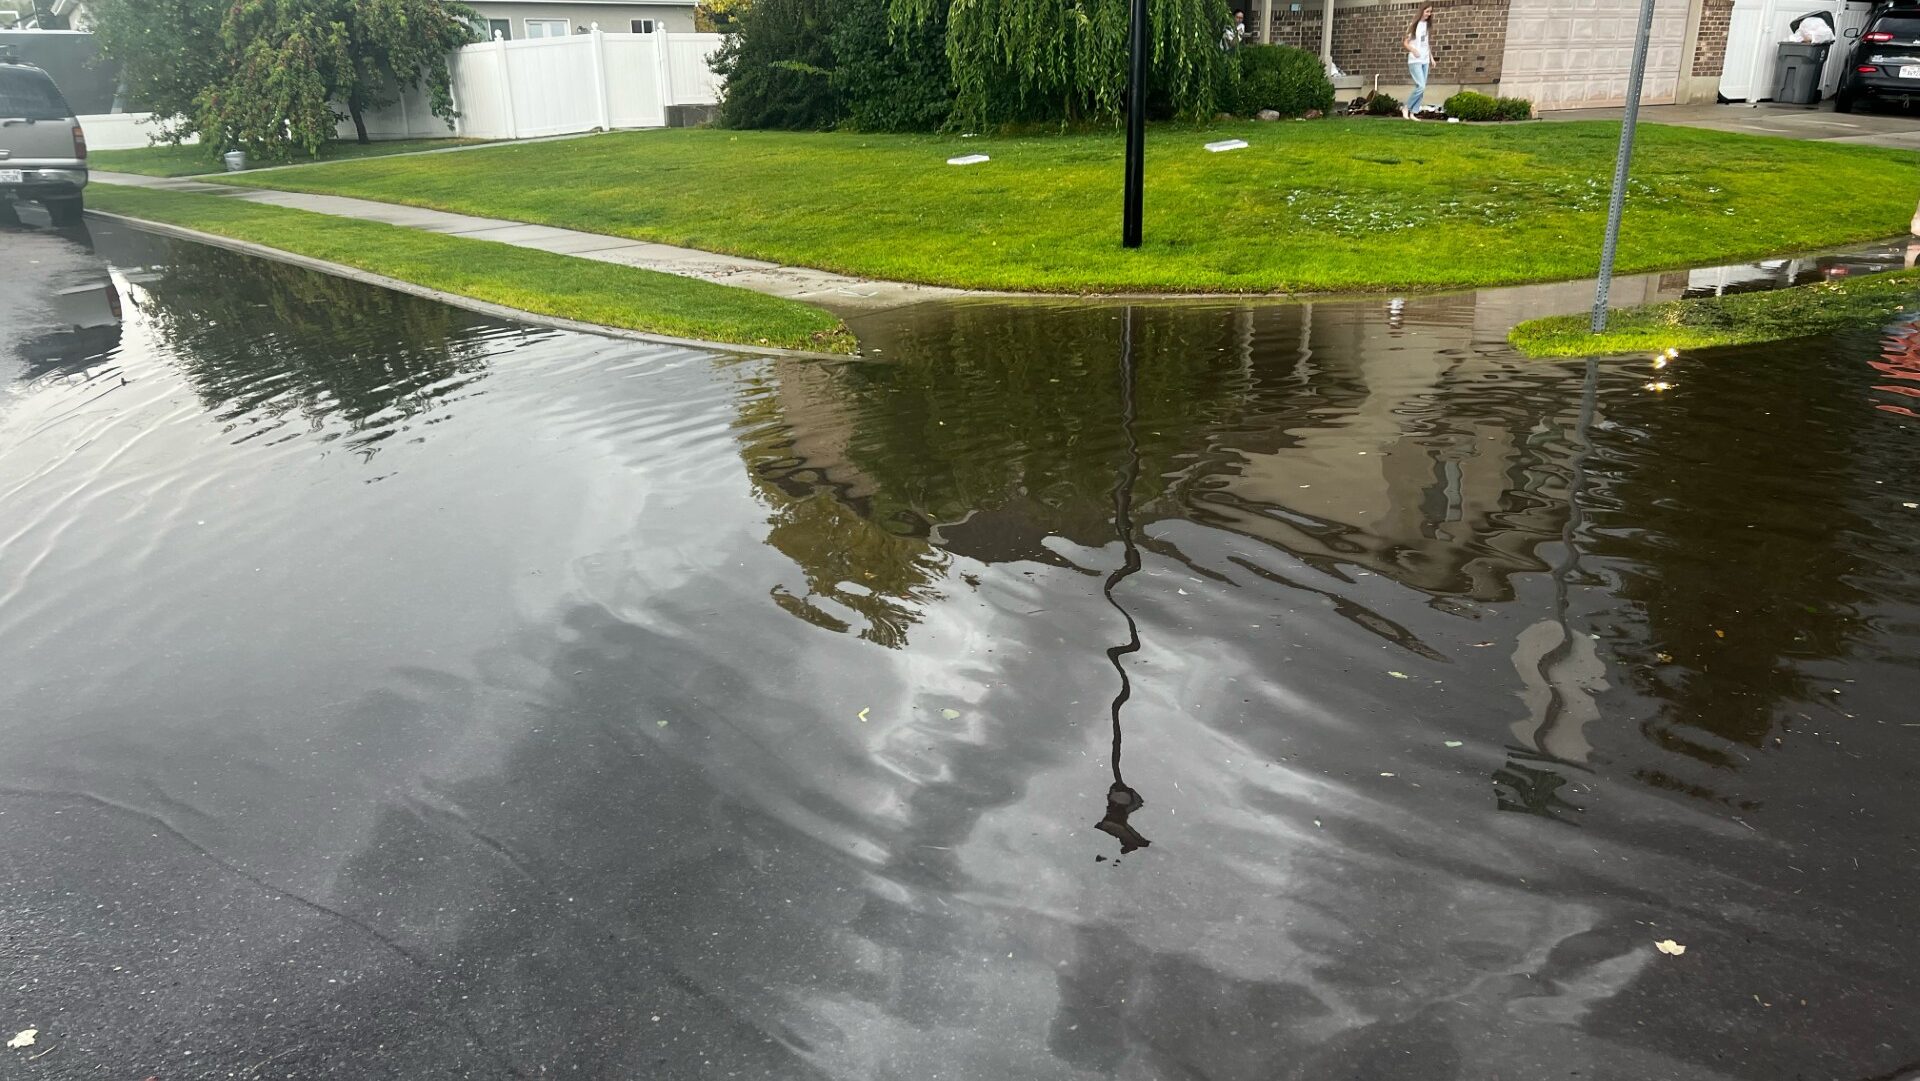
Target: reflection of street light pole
x,y
1136,130
1563,671
1121,800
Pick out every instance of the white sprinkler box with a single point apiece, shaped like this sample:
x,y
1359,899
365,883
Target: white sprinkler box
x,y
967,159
1227,144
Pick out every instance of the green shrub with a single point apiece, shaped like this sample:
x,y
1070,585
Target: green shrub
x,y
1469,105
777,65
1287,80
1514,108
1380,103
888,76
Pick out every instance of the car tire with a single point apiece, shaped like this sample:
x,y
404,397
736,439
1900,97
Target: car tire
x,y
66,211
1843,101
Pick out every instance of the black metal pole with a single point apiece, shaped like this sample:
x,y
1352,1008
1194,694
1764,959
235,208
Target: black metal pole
x,y
1136,129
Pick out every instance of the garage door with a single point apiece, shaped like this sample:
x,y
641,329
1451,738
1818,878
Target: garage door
x,y
1572,54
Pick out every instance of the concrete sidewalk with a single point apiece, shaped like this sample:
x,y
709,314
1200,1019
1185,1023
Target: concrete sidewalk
x,y
836,292
1817,122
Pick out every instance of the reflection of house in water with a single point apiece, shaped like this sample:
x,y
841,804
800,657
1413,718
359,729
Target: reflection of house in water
x,y
1383,459
1326,430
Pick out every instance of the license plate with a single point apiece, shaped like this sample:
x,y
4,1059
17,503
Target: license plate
x,y
1910,71
15,176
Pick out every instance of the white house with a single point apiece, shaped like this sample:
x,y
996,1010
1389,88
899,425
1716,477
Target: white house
x,y
517,20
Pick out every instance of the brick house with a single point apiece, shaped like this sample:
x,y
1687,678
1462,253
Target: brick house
x,y
1561,54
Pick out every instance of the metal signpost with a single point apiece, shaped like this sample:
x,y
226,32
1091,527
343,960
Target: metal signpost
x,y
1136,129
1620,163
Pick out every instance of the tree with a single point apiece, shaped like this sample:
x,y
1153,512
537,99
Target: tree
x,y
1066,60
709,16
168,51
269,76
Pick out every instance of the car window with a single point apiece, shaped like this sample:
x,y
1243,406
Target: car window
x,y
1903,28
31,95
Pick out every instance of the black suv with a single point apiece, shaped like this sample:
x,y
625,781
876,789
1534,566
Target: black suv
x,y
43,153
1885,63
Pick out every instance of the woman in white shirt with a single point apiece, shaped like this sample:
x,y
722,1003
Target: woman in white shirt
x,y
1419,59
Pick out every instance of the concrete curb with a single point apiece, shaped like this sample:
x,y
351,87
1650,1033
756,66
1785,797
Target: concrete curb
x,y
482,307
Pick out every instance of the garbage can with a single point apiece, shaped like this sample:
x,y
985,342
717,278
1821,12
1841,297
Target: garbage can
x,y
1796,72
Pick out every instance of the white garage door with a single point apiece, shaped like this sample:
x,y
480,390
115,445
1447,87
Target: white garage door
x,y
1572,54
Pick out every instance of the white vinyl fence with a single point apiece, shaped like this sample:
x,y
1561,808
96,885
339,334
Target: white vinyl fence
x,y
120,131
524,90
554,86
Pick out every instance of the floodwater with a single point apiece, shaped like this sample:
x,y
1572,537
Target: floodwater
x,y
1066,691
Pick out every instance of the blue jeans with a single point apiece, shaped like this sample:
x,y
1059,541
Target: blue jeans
x,y
1419,73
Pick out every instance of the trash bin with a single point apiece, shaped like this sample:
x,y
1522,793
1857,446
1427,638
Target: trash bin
x,y
236,161
1796,72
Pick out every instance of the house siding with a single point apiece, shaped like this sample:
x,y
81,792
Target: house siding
x,y
1560,54
613,18
1469,38
1710,51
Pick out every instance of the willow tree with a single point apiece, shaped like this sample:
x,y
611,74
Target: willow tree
x,y
1045,60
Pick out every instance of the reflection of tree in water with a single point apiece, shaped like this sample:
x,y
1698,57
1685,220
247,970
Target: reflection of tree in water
x,y
855,567
267,340
1738,547
987,436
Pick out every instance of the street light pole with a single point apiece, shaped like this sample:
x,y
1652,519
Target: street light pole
x,y
1620,163
1136,130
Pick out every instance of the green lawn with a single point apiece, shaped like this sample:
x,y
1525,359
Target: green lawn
x,y
533,281
1312,206
1740,319
195,160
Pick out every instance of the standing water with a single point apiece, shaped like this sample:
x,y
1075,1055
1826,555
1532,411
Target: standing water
x,y
1229,691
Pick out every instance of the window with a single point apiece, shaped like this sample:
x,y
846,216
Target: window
x,y
643,26
499,29
547,28
1902,29
29,95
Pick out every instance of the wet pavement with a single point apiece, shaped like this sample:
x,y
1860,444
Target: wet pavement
x,y
1067,690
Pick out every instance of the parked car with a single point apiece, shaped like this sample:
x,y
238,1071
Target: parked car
x,y
1884,65
43,152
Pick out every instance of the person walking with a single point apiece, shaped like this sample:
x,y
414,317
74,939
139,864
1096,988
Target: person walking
x,y
1235,34
1419,46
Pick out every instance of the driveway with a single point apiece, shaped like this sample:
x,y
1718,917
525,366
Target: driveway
x,y
1895,129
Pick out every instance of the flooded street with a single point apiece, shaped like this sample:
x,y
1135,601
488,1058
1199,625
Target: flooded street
x,y
1230,691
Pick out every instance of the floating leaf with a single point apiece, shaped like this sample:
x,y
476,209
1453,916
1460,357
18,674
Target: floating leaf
x,y
863,714
1453,743
1398,675
950,714
25,1039
1669,947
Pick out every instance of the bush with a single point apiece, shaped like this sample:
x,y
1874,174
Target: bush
x,y
1468,105
1287,80
777,65
1514,108
889,77
1380,103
